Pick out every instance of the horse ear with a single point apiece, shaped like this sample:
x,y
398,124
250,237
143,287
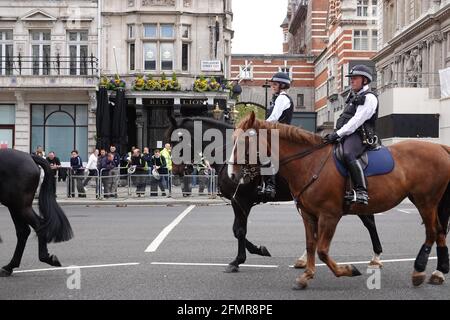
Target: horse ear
x,y
252,118
173,121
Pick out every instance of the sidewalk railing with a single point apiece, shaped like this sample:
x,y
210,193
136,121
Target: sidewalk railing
x,y
121,184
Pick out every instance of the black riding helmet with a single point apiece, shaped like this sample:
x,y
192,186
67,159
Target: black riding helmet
x,y
283,79
361,70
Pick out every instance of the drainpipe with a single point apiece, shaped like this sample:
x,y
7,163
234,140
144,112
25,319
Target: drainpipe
x,y
99,36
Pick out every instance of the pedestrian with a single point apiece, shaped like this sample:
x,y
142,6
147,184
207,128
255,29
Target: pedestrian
x,y
107,166
159,171
140,172
115,173
167,154
39,152
76,164
92,169
204,171
55,164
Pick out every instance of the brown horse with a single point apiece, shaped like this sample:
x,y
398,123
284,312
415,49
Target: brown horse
x,y
421,173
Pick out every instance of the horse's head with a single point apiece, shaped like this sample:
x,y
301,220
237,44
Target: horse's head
x,y
252,150
191,137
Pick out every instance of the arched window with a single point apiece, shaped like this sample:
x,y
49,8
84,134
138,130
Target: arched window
x,y
60,128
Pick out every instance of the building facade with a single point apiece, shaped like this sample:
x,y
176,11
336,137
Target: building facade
x,y
339,34
48,75
254,71
414,47
186,38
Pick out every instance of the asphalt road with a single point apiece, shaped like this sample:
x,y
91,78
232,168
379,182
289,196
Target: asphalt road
x,y
107,236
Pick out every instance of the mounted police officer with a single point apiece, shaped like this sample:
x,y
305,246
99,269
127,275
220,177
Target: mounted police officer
x,y
281,110
356,129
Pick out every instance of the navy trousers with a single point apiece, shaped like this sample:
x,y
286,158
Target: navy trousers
x,y
353,147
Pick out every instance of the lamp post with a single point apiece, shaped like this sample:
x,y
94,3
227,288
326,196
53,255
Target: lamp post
x,y
266,86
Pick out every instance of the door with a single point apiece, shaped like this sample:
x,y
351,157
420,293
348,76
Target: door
x,y
6,137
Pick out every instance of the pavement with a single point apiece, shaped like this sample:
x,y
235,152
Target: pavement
x,y
180,252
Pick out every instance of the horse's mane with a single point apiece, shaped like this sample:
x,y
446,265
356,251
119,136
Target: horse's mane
x,y
287,132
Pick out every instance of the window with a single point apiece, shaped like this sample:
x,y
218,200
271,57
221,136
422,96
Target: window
x,y
167,31
150,56
374,40
167,56
246,72
132,56
150,30
374,8
60,128
362,8
131,31
185,57
285,37
40,50
78,51
301,101
360,40
6,52
185,31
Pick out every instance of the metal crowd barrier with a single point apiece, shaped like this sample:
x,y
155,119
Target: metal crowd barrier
x,y
119,183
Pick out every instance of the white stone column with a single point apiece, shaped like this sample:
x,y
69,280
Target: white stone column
x,y
92,121
23,123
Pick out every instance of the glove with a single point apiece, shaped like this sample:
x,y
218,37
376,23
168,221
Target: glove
x,y
331,138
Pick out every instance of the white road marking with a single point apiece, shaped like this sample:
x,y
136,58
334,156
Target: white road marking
x,y
210,264
187,264
160,238
81,267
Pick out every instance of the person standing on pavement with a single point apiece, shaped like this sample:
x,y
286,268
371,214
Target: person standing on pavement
x,y
55,164
167,154
92,168
107,165
76,164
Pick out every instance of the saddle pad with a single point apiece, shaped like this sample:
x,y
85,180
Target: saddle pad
x,y
380,162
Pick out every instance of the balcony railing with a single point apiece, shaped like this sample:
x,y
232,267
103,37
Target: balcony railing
x,y
48,65
411,80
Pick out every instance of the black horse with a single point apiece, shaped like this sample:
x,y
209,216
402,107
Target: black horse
x,y
244,196
19,180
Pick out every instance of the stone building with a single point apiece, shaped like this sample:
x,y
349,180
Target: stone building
x,y
188,38
414,46
48,75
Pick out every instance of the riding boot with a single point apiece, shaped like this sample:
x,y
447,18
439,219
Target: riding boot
x,y
359,183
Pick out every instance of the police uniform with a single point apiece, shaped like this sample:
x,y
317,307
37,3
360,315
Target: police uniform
x,y
356,128
281,110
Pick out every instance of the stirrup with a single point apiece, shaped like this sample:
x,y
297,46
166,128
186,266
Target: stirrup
x,y
355,197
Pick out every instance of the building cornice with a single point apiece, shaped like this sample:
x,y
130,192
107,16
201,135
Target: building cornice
x,y
273,56
412,30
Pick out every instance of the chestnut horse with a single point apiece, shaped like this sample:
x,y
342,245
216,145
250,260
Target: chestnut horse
x,y
421,173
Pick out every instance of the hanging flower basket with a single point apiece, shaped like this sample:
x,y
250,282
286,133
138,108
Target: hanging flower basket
x,y
139,83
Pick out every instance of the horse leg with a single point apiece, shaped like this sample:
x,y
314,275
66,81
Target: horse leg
x,y
438,276
261,250
240,232
327,228
33,220
369,223
429,217
310,223
22,232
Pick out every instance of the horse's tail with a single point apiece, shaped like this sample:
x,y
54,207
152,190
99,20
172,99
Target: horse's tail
x,y
56,226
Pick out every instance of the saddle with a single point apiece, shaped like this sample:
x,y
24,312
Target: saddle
x,y
375,162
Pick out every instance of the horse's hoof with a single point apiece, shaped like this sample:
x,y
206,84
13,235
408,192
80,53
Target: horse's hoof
x,y
437,278
300,264
265,252
418,278
374,264
4,273
300,284
55,262
231,269
355,271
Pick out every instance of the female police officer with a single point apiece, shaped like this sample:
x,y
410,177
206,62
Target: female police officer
x,y
356,127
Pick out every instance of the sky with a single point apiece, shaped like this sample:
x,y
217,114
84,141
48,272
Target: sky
x,y
256,25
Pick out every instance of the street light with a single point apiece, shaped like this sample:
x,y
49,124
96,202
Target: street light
x,y
266,86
